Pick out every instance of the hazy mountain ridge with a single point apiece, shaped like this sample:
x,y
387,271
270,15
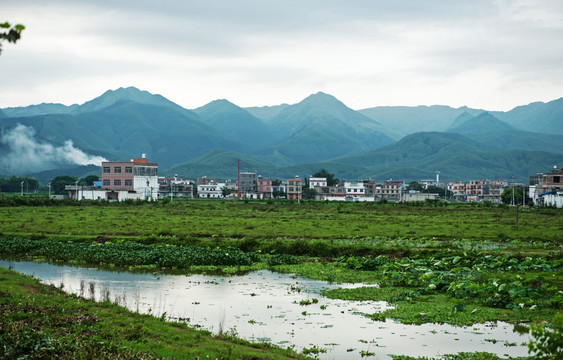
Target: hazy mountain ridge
x,y
299,139
490,130
266,113
538,117
405,120
229,118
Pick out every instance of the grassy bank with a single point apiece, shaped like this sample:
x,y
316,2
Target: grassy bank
x,y
40,321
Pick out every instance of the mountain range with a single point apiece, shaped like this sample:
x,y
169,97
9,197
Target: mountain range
x,y
409,143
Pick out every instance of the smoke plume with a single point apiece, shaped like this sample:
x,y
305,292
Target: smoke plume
x,y
22,153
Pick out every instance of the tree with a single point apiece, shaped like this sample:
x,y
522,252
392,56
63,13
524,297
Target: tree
x,y
506,195
330,179
58,184
438,190
89,180
413,185
13,184
12,34
309,194
225,191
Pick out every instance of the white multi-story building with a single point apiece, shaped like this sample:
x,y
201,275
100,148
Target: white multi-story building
x,y
354,189
211,190
317,181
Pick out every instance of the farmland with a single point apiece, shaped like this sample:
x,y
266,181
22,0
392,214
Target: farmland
x,y
456,264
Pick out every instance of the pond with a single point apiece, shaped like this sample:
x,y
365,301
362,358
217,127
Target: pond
x,y
264,306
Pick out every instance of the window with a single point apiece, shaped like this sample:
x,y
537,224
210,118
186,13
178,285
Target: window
x,y
106,170
557,179
146,171
117,182
107,182
117,169
128,170
128,182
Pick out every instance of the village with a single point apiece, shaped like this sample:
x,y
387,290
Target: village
x,y
137,179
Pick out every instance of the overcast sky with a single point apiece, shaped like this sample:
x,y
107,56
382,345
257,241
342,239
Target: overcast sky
x,y
493,55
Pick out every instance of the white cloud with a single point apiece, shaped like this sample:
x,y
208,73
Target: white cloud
x,y
23,153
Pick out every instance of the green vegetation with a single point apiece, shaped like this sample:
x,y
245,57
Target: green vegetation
x,y
41,322
11,33
326,223
439,263
14,184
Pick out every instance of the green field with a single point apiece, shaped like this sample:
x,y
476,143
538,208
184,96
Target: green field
x,y
266,220
457,264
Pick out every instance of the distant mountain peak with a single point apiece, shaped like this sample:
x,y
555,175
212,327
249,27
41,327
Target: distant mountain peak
x,y
131,93
321,98
484,122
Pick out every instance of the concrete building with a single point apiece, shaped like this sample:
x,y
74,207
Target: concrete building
x,y
294,188
317,181
476,190
172,187
354,189
369,186
247,182
390,189
479,188
264,187
211,190
133,179
545,188
204,180
418,196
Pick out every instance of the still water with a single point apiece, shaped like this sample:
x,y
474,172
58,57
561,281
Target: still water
x,y
263,306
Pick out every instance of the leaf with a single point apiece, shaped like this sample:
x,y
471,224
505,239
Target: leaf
x,y
456,260
502,287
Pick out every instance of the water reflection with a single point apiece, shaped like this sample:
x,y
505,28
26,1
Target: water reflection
x,y
267,306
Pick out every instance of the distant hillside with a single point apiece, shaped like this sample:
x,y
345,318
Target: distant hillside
x,y
287,140
127,129
266,113
105,100
457,158
221,164
490,130
482,123
133,94
320,127
414,149
231,119
76,171
405,120
41,109
536,117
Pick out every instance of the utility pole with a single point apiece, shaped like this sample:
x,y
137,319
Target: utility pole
x,y
517,215
513,190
